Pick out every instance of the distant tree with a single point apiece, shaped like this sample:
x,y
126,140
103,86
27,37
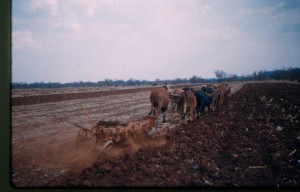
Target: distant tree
x,y
176,81
99,83
119,82
277,74
107,82
193,79
220,74
132,82
254,75
260,75
232,77
157,81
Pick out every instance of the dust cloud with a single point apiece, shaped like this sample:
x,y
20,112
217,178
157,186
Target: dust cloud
x,y
131,144
46,162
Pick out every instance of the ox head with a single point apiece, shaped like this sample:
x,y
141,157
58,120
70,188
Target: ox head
x,y
174,101
168,88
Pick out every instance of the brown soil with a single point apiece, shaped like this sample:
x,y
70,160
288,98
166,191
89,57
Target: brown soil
x,y
35,99
46,97
254,140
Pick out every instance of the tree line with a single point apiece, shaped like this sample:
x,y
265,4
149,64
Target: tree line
x,y
292,74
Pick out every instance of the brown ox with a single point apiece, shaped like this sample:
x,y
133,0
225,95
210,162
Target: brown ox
x,y
225,90
174,96
177,91
212,86
213,95
160,100
215,99
187,103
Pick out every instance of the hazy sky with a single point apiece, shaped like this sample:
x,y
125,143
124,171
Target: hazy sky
x,y
90,40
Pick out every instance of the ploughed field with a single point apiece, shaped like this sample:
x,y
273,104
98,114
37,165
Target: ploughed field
x,y
253,140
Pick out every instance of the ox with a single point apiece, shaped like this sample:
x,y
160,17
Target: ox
x,y
225,90
214,96
207,90
187,89
212,86
160,100
176,91
175,96
187,103
202,101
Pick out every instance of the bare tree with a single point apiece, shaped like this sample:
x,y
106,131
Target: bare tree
x,y
193,79
220,74
260,75
107,81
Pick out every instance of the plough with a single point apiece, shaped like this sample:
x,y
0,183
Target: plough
x,y
108,133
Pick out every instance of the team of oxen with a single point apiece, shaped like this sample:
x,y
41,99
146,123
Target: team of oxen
x,y
188,101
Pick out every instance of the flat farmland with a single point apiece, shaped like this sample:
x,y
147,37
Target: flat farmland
x,y
43,142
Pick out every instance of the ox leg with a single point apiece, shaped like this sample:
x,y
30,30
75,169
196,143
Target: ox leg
x,y
151,111
208,110
198,112
215,105
164,118
222,100
163,110
184,112
155,115
183,116
174,106
154,111
191,115
202,110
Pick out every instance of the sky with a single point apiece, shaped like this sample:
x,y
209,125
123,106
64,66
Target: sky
x,y
92,40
